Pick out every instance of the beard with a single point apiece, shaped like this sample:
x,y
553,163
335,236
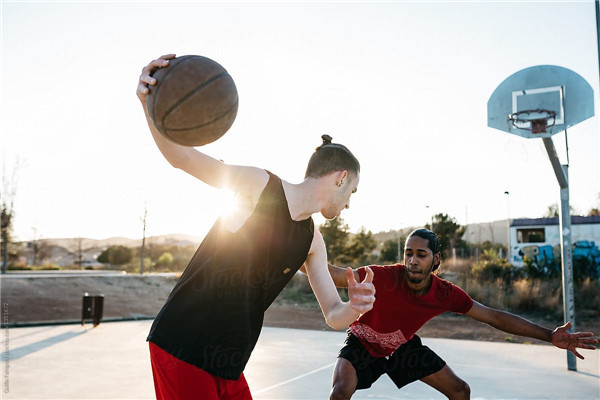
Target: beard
x,y
417,280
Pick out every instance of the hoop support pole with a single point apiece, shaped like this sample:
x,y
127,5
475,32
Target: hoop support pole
x,y
558,170
564,221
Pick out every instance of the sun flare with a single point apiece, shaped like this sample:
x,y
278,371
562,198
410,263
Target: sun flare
x,y
227,203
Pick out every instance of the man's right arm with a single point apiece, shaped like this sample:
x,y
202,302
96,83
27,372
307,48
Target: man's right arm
x,y
239,179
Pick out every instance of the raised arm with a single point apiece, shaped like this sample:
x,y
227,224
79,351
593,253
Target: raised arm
x,y
337,314
239,179
514,324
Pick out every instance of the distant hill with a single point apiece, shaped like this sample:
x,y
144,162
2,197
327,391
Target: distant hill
x,y
65,251
175,239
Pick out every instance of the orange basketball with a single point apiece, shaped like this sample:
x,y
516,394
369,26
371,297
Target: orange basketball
x,y
194,101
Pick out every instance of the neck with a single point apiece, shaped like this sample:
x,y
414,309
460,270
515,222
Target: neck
x,y
304,199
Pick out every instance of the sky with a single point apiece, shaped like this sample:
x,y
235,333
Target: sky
x,y
404,85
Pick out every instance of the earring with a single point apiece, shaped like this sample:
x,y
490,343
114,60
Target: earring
x,y
340,184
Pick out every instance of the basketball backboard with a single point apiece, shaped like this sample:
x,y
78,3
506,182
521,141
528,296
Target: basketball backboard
x,y
543,94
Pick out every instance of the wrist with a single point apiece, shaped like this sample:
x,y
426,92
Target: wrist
x,y
355,313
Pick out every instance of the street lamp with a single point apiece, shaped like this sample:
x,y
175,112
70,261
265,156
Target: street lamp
x,y
507,225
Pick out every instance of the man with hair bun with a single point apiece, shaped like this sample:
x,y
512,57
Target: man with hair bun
x,y
383,341
203,336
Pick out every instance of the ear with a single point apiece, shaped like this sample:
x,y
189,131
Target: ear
x,y
437,258
343,175
339,177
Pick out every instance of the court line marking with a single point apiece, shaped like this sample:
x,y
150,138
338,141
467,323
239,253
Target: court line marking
x,y
294,379
497,368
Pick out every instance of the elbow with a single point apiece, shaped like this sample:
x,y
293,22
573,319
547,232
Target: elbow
x,y
336,321
335,324
180,161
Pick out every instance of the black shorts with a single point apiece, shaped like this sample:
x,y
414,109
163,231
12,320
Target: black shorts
x,y
411,362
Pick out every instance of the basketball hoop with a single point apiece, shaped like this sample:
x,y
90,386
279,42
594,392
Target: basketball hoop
x,y
535,121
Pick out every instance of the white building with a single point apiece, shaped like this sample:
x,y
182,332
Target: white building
x,y
539,238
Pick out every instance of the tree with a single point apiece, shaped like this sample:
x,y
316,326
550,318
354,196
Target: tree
x,y
335,234
389,251
552,211
448,232
8,192
594,211
361,245
76,247
116,255
40,250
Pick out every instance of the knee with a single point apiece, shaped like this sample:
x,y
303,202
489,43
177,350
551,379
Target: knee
x,y
339,391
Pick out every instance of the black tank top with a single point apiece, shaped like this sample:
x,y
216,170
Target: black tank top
x,y
214,315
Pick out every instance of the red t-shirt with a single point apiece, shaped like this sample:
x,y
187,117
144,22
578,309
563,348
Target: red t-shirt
x,y
398,313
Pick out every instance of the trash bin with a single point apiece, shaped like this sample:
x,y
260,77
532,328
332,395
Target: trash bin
x,y
92,308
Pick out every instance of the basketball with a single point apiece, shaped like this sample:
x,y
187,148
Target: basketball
x,y
194,101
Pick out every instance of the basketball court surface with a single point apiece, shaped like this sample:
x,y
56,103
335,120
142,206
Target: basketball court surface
x,y
111,361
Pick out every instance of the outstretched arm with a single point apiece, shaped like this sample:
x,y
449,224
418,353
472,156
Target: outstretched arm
x,y
247,180
337,314
338,274
514,324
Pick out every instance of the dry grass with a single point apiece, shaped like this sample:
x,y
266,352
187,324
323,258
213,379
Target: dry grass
x,y
522,295
492,294
535,296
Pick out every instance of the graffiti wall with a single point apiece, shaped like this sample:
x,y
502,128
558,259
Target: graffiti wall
x,y
539,240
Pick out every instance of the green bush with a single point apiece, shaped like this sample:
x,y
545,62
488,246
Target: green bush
x,y
542,270
116,255
584,268
492,267
298,291
165,259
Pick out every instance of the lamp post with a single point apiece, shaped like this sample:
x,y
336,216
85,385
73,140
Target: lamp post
x,y
507,225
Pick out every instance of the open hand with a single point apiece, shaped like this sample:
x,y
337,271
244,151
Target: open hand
x,y
362,295
146,76
571,341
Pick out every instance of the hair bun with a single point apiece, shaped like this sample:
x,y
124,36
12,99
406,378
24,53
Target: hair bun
x,y
326,139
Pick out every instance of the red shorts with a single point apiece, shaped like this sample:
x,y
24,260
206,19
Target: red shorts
x,y
175,379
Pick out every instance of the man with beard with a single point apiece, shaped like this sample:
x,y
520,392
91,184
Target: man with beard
x,y
384,341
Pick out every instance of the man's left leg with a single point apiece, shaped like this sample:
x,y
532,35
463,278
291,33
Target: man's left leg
x,y
447,382
413,361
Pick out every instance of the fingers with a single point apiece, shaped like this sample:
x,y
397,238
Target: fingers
x,y
577,354
350,275
585,343
583,334
362,302
361,295
146,75
586,346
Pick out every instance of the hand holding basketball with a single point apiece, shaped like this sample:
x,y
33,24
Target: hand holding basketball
x,y
146,76
361,295
191,100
